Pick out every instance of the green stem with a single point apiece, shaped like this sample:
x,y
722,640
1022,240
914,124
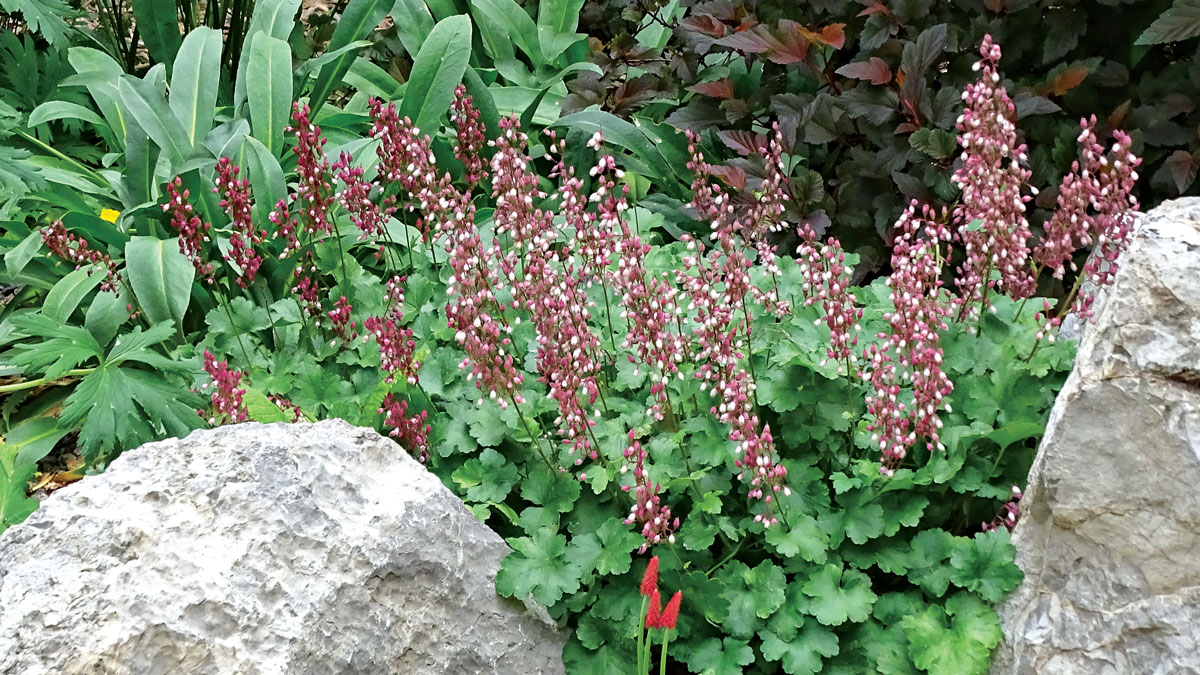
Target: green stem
x,y
30,384
96,178
641,643
662,667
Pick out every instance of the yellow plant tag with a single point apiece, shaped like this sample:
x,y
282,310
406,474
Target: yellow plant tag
x,y
110,215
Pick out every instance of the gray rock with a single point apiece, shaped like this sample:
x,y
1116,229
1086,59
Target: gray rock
x,y
263,549
1110,537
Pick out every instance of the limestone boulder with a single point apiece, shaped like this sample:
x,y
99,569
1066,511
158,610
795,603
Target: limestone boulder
x,y
1110,535
263,549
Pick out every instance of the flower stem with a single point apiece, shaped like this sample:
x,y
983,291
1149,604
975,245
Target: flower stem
x,y
30,384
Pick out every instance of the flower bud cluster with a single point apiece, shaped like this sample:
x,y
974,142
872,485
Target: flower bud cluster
x,y
827,280
469,133
226,397
412,433
75,250
396,344
339,318
992,180
314,192
193,233
911,353
236,200
1009,514
648,508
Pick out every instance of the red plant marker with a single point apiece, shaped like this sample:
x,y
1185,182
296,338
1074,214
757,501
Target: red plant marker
x,y
650,578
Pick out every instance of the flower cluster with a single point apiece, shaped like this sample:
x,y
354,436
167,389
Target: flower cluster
x,y
648,509
396,346
193,233
314,193
1008,515
226,397
991,178
339,318
911,352
368,216
236,200
827,280
471,139
288,407
75,250
412,433
654,615
407,160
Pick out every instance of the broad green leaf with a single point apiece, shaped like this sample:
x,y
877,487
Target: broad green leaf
x,y
487,478
57,110
105,315
753,595
270,68
437,70
356,22
194,82
158,23
721,657
559,16
17,257
266,179
512,19
958,644
275,18
64,298
147,106
839,595
15,506
607,551
161,277
538,566
260,409
34,439
985,565
413,23
803,538
481,96
802,654
622,134
554,490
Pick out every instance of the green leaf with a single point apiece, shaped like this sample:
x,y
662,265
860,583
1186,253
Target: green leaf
x,y
57,110
622,134
437,69
247,318
266,179
721,657
270,68
607,551
15,506
802,654
606,660
43,16
557,21
753,595
17,257
957,641
194,82
275,18
64,298
413,23
487,478
803,538
552,489
515,24
1180,22
937,143
926,564
161,277
356,22
839,595
985,565
538,566
34,438
148,107
59,349
260,409
158,23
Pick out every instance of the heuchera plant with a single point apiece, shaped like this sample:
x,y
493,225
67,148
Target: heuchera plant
x,y
824,473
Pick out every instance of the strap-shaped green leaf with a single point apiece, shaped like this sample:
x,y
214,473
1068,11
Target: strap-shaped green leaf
x,y
64,298
158,23
271,99
194,82
57,110
437,70
147,106
357,21
519,26
273,17
413,23
266,179
161,277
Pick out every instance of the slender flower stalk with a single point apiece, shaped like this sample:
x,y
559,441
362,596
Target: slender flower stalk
x,y
226,397
236,199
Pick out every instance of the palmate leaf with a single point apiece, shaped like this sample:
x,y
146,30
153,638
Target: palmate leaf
x,y
803,653
985,565
721,657
753,595
43,16
839,595
958,644
60,348
539,567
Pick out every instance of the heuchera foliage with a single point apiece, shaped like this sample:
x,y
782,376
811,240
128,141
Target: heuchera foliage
x,y
823,473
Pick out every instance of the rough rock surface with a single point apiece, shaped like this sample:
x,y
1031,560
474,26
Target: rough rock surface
x,y
253,549
1110,538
